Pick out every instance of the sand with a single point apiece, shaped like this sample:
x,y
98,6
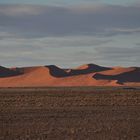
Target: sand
x,y
85,75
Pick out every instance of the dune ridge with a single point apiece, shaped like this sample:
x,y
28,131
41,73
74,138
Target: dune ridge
x,y
85,75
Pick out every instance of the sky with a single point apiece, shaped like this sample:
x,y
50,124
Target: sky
x,y
69,33
68,2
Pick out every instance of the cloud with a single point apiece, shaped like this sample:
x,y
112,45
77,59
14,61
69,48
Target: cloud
x,y
137,44
69,35
20,10
119,51
123,30
47,21
67,51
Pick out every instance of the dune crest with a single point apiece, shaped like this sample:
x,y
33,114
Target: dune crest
x,y
85,75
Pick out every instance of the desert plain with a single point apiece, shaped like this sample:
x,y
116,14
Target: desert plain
x,y
90,102
70,113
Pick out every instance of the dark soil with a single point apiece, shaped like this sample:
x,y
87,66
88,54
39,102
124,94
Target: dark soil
x,y
70,114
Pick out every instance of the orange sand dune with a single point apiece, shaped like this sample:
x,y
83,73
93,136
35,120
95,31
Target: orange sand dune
x,y
86,69
86,75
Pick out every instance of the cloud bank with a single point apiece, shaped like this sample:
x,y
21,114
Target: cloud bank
x,y
35,21
34,34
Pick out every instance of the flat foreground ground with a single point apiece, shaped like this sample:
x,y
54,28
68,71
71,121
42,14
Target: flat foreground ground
x,y
70,114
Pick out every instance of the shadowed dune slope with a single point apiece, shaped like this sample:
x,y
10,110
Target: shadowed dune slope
x,y
86,75
86,69
130,76
56,71
117,70
5,72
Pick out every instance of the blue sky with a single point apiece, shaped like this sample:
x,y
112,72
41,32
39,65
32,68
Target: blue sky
x,y
105,32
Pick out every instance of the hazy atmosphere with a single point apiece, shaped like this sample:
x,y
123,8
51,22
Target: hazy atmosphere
x,y
69,33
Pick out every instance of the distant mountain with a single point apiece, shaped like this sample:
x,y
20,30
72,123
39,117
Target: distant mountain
x,y
85,75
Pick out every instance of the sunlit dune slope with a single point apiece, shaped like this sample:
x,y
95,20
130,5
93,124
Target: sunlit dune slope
x,y
85,75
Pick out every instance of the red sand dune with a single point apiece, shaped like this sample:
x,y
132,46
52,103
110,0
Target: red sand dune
x,y
86,75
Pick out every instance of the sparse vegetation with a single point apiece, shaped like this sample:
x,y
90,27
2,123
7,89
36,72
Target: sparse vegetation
x,y
85,113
